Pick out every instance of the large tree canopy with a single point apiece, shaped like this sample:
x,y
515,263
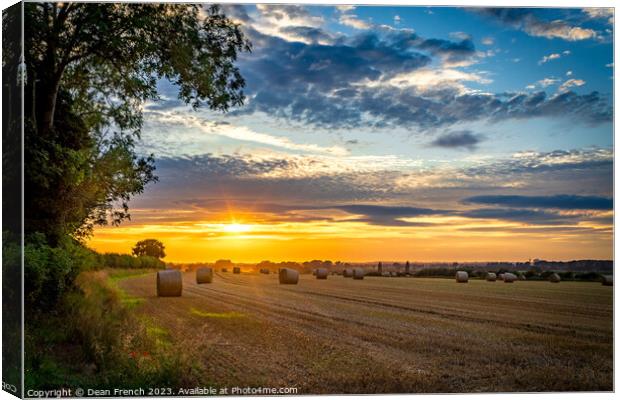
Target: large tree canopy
x,y
149,247
90,67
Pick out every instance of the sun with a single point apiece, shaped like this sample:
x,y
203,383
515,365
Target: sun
x,y
236,228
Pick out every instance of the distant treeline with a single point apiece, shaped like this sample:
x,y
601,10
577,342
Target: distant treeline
x,y
531,274
583,270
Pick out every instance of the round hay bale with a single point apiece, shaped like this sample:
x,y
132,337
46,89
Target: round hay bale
x,y
509,278
204,275
554,278
288,276
169,283
386,274
224,269
321,273
236,270
347,273
608,280
358,273
491,277
462,277
500,277
394,273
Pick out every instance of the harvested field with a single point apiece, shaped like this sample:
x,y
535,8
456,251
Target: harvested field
x,y
390,335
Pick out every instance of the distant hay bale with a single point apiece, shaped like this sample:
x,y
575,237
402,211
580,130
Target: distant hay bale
x,y
321,273
236,270
462,277
509,278
358,273
288,276
608,280
500,277
347,273
224,269
554,278
169,283
393,273
386,274
204,275
491,277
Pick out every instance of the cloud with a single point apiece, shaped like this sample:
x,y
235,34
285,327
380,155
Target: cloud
x,y
344,85
606,13
527,20
345,8
533,217
553,56
388,215
352,21
488,41
308,34
547,82
570,83
302,73
458,139
204,127
562,201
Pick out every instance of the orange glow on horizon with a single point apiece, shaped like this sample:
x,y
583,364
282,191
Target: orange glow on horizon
x,y
259,237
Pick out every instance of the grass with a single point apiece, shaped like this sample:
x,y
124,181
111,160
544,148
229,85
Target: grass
x,y
221,315
98,341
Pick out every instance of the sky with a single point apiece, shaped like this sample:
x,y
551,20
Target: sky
x,y
391,133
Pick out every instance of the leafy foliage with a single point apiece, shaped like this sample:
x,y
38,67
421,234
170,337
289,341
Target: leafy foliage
x,y
149,247
90,69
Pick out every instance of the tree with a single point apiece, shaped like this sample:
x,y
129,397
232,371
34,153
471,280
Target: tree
x,y
90,68
149,247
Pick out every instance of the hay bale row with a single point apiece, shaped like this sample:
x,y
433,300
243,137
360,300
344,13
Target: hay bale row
x,y
288,276
462,277
491,277
358,273
608,280
204,275
236,270
554,278
169,283
347,273
509,278
321,273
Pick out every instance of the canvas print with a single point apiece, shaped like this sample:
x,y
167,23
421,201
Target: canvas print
x,y
292,199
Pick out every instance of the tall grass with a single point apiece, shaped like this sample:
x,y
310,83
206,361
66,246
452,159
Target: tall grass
x,y
99,343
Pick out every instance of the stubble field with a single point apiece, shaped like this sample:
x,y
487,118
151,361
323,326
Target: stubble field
x,y
388,335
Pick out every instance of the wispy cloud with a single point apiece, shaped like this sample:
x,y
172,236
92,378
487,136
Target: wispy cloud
x,y
527,20
553,56
570,83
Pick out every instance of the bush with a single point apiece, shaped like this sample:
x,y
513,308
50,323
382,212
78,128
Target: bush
x,y
49,272
98,342
126,261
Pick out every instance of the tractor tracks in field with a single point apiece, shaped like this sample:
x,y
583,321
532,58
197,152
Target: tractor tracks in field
x,y
551,328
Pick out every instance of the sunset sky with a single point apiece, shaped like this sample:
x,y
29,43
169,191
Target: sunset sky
x,y
391,133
